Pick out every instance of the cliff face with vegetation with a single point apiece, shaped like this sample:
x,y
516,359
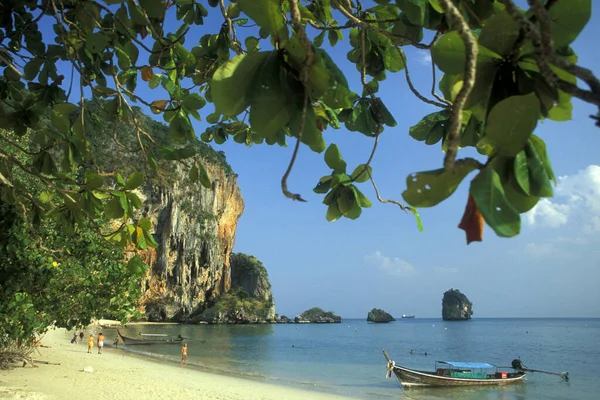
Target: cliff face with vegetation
x,y
194,226
317,315
250,299
456,306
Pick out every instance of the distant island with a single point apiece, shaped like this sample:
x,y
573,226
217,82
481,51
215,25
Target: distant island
x,y
377,315
456,306
317,315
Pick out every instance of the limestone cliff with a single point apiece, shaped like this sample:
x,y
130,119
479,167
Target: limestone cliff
x,y
194,226
456,306
195,230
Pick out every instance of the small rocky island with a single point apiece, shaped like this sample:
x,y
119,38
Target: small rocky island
x,y
377,315
317,315
249,301
456,306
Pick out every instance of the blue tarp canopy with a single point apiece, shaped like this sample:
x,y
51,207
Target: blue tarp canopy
x,y
460,364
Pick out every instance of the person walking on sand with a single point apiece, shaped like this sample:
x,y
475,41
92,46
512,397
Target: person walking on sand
x,y
100,342
90,343
81,335
184,354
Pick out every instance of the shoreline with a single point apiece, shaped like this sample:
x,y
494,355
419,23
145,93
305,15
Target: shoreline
x,y
122,374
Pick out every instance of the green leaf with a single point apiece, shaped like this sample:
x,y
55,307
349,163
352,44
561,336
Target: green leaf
x,y
135,180
318,41
569,18
193,102
180,127
120,180
113,209
511,123
96,42
520,201
334,159
32,68
363,201
333,212
311,135
145,224
270,109
361,174
267,14
93,180
449,55
428,188
414,10
499,214
135,200
204,179
251,44
426,130
324,185
540,148
563,111
500,34
193,174
232,80
392,58
538,177
521,172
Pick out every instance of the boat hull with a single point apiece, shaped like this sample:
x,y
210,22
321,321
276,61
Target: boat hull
x,y
131,341
412,378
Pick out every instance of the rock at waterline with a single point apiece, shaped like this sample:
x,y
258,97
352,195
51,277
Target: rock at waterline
x,y
379,316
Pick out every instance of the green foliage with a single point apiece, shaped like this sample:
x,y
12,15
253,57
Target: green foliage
x,y
60,279
265,77
247,266
317,313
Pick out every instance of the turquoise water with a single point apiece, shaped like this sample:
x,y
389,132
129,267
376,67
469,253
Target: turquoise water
x,y
347,358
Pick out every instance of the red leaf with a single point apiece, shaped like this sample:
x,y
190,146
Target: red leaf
x,y
320,125
472,222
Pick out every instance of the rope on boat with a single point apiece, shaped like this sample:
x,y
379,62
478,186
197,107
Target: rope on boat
x,y
390,368
519,366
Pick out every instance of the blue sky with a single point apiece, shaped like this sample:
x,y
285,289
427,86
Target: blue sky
x,y
381,260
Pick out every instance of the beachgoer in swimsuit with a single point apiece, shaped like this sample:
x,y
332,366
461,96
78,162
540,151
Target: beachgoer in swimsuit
x,y
90,343
184,354
100,342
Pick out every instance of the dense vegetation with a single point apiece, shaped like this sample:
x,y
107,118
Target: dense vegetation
x,y
316,313
456,306
59,279
237,306
243,266
269,77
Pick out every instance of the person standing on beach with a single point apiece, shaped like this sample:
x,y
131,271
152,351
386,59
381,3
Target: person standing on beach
x,y
100,342
184,354
90,343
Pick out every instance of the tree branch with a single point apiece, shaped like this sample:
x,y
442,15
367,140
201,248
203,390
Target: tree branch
x,y
471,50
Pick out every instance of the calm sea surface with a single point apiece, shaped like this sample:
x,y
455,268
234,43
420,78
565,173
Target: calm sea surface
x,y
347,359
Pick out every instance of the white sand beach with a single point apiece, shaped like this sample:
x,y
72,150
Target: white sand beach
x,y
120,375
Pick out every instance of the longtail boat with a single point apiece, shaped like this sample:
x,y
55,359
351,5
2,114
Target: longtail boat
x,y
453,373
127,340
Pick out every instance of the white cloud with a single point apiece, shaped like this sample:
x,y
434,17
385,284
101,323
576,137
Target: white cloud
x,y
576,199
424,58
440,270
390,265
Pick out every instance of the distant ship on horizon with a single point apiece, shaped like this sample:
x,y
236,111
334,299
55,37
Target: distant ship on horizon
x,y
408,316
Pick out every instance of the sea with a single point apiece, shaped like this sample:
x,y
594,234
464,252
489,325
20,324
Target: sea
x,y
347,358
